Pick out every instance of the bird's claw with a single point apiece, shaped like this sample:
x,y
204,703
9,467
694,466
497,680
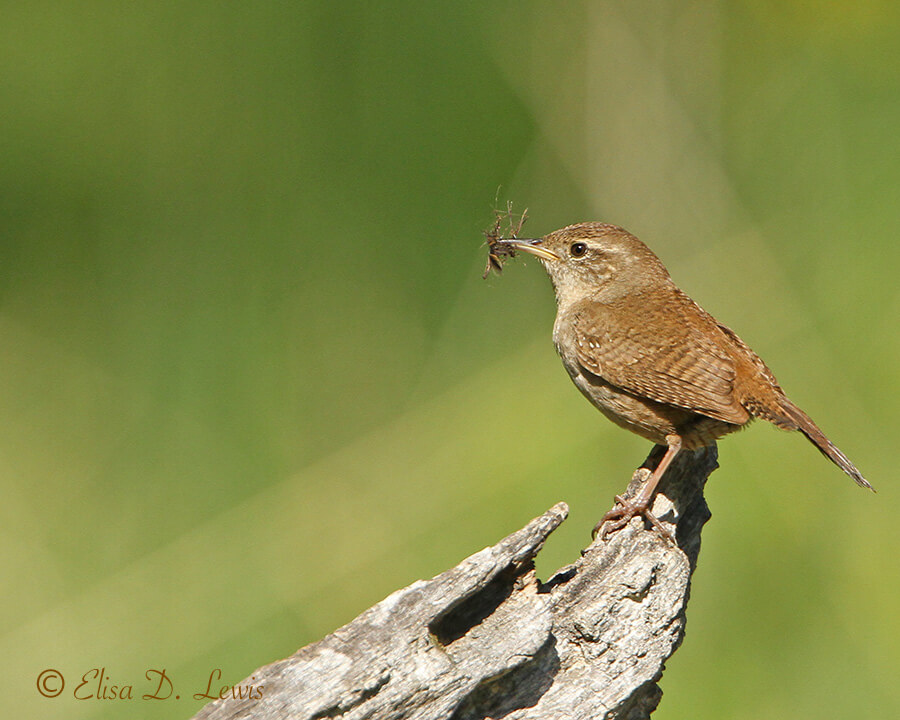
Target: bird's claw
x,y
622,513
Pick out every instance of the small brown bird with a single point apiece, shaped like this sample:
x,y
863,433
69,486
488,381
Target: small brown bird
x,y
650,358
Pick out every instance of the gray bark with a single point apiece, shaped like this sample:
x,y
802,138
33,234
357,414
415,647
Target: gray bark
x,y
487,639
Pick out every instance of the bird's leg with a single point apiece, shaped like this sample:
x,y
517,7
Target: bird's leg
x,y
625,509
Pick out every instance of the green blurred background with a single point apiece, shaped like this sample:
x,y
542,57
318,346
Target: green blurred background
x,y
251,380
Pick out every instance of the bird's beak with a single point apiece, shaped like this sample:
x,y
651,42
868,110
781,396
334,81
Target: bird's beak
x,y
532,246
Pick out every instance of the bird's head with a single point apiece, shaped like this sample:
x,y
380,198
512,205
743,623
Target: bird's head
x,y
594,259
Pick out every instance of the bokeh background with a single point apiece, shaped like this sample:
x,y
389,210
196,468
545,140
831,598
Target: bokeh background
x,y
251,380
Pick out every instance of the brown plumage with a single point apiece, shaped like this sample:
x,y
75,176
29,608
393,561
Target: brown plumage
x,y
651,359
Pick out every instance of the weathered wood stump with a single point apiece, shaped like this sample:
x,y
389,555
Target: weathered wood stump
x,y
487,639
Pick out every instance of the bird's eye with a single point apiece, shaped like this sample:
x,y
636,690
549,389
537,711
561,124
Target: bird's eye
x,y
577,249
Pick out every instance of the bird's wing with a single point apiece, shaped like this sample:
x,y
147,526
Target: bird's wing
x,y
665,351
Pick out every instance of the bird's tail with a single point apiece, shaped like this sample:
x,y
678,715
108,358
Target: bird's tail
x,y
799,420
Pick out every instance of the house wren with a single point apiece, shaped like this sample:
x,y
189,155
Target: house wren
x,y
651,359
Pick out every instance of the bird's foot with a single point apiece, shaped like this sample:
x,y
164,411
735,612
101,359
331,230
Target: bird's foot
x,y
621,514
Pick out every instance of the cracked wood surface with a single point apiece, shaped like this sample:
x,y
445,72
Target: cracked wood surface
x,y
486,639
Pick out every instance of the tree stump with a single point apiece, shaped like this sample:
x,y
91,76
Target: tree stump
x,y
487,639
